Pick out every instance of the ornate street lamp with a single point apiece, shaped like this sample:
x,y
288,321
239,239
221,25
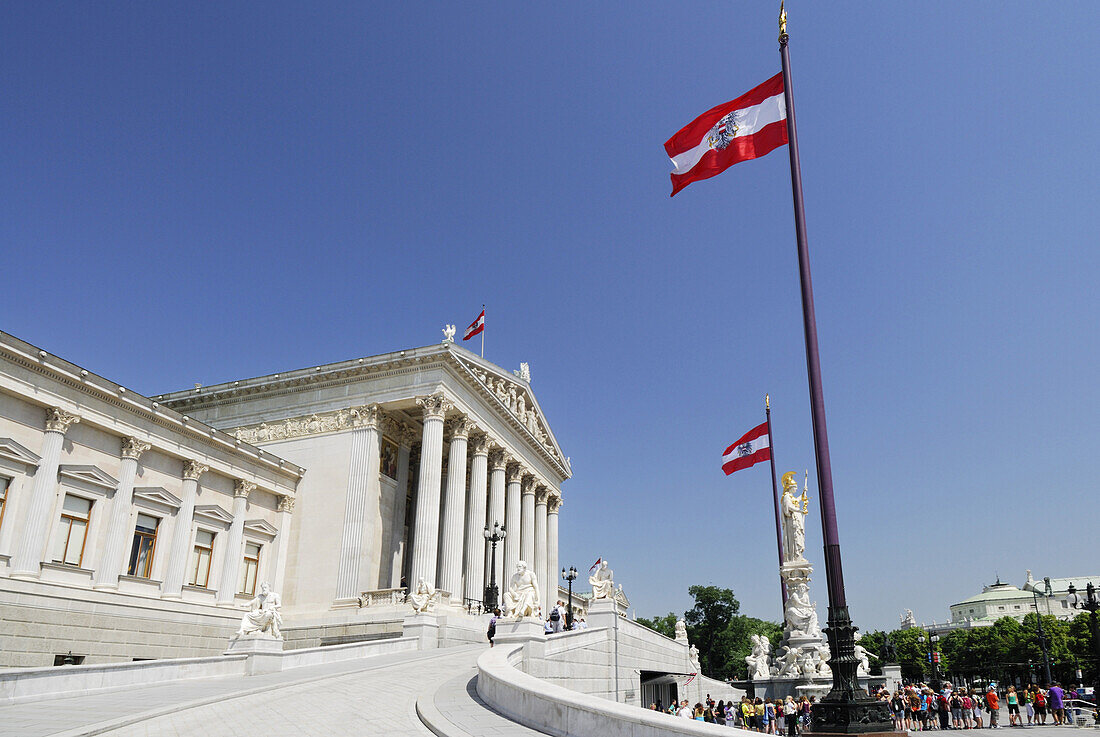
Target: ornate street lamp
x,y
570,576
493,537
1039,630
1090,602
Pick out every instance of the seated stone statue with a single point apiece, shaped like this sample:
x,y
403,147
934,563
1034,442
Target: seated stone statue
x,y
800,614
423,597
522,597
262,616
603,585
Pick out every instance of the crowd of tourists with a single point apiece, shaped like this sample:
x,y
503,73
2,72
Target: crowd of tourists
x,y
920,708
771,716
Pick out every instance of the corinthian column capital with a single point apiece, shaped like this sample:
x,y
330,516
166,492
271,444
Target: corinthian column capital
x,y
193,469
286,504
498,459
479,444
243,488
529,484
554,504
542,493
133,448
461,427
515,473
58,420
435,406
367,416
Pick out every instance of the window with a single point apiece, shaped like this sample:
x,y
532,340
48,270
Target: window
x,y
1000,609
204,551
145,543
72,530
4,484
1016,607
249,568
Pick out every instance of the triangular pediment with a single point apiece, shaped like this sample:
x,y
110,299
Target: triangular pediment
x,y
13,451
214,513
90,475
260,527
513,394
157,495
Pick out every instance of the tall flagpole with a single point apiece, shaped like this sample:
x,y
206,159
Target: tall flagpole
x,y
775,499
483,331
846,708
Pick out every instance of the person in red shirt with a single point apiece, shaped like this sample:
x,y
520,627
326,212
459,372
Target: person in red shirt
x,y
994,707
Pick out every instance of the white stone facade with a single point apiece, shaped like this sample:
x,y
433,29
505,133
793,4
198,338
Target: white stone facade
x,y
333,483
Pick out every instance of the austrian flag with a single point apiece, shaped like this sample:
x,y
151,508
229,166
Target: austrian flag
x,y
753,447
746,128
476,326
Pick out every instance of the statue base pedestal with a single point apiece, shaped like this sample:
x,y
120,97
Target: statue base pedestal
x,y
424,627
603,613
265,654
519,630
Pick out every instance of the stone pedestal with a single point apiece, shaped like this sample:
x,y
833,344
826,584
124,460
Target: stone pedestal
x,y
519,630
602,612
892,673
265,654
424,627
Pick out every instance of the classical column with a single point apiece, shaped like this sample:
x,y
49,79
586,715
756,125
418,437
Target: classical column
x,y
277,576
28,556
527,523
178,554
117,545
231,560
552,579
498,462
363,490
405,438
512,524
454,511
425,552
541,494
474,567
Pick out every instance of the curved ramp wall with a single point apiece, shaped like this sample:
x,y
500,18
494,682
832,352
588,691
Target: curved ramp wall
x,y
562,712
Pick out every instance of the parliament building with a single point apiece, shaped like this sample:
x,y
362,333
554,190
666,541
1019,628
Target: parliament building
x,y
136,527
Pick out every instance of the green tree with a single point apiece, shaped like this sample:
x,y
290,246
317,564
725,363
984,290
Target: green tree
x,y
912,653
666,625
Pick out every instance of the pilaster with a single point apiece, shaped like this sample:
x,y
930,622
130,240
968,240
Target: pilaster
x,y
178,551
231,561
116,545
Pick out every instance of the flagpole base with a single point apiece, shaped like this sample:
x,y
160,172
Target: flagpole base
x,y
847,708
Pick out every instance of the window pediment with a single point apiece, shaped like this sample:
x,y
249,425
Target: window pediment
x,y
261,528
13,451
157,495
215,514
90,475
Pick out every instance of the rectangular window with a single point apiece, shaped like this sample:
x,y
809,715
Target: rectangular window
x,y
249,568
4,484
72,530
145,543
204,551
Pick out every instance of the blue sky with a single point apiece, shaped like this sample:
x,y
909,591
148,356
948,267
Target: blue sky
x,y
205,192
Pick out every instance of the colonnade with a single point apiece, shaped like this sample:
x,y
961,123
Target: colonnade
x,y
446,546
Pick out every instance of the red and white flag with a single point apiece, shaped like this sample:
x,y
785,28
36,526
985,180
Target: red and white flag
x,y
753,447
746,128
596,564
476,326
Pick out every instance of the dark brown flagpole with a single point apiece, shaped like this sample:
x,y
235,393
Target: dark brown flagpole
x,y
847,708
775,500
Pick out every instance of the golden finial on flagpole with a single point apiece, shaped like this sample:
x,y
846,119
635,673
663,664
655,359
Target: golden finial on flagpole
x,y
767,402
782,23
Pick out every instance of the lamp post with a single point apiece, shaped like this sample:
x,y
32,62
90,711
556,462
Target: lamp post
x,y
1039,629
935,644
569,576
493,536
1090,602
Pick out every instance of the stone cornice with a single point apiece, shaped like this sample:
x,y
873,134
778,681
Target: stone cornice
x,y
29,357
394,364
319,423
